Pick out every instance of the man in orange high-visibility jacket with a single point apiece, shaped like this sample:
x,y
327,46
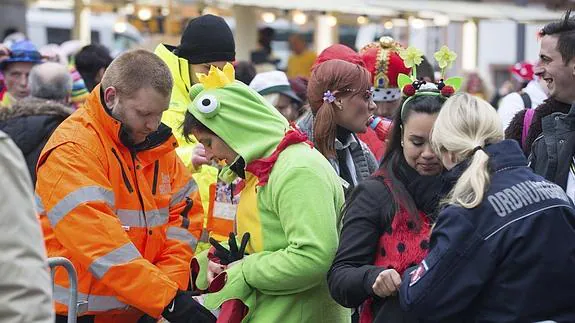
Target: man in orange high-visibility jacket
x,y
115,199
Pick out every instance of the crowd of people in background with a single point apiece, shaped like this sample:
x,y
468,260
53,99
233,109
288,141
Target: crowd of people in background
x,y
354,186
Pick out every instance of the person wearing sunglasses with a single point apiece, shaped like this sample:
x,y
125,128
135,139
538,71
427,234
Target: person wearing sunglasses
x,y
341,102
22,56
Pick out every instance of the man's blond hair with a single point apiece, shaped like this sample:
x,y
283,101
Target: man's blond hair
x,y
137,69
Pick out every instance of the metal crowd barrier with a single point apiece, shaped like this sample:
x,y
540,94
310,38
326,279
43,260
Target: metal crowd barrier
x,y
73,278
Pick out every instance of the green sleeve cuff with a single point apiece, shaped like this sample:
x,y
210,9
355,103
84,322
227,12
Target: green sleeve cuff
x,y
202,279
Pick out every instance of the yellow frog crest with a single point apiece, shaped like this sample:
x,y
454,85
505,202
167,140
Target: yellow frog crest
x,y
217,78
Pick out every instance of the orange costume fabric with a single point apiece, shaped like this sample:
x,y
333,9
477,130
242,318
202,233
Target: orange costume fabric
x,y
127,216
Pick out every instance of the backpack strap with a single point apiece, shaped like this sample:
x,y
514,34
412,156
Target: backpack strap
x,y
526,100
527,119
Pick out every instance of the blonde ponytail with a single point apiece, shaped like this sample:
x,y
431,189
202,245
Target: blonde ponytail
x,y
463,127
469,189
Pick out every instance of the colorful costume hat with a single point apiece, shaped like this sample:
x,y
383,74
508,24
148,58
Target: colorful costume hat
x,y
22,52
383,61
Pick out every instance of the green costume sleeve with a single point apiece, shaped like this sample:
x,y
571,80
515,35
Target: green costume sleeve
x,y
309,221
202,279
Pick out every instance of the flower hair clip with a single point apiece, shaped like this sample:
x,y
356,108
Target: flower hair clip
x,y
371,91
328,96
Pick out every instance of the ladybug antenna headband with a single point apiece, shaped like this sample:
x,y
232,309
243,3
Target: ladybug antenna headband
x,y
412,86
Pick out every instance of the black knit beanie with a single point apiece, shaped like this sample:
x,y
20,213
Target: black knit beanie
x,y
207,39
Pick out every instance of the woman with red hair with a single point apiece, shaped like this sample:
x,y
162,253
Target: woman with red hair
x,y
340,99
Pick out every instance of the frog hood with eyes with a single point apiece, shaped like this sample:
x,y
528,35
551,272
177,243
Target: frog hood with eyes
x,y
291,210
241,117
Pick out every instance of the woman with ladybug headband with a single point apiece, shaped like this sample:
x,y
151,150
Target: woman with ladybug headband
x,y
387,219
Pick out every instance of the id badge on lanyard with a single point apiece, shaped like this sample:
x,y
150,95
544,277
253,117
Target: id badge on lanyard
x,y
226,203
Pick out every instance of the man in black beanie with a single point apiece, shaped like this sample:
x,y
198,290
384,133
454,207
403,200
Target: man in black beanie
x,y
206,41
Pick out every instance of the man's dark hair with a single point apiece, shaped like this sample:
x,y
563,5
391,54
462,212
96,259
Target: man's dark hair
x,y
425,70
265,37
89,60
245,72
267,32
564,29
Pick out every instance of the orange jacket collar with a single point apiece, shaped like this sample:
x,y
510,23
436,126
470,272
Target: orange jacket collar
x,y
96,107
160,142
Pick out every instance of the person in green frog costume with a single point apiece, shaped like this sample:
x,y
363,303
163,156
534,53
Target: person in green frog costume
x,y
290,205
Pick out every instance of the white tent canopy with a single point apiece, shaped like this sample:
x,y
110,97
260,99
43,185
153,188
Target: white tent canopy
x,y
456,10
357,7
478,10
